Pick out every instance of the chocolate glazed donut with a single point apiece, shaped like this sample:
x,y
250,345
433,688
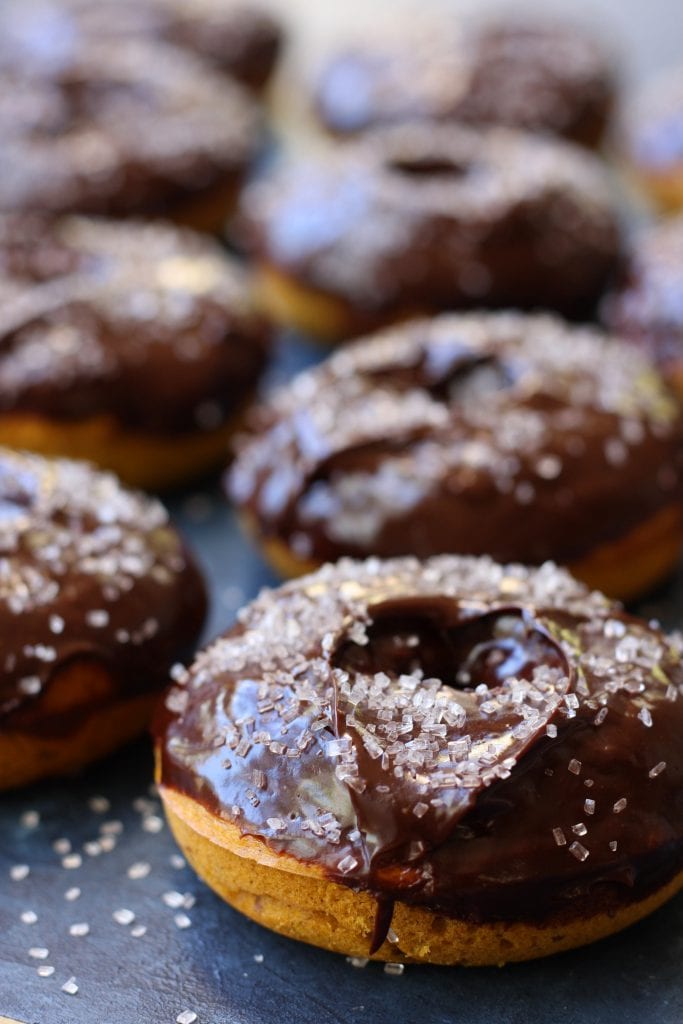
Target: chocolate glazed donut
x,y
121,128
541,76
421,218
450,761
98,598
506,434
98,319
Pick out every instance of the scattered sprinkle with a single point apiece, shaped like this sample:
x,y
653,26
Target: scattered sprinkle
x,y
186,1017
70,987
123,916
579,851
39,953
29,917
620,805
79,929
394,969
645,717
18,872
99,804
45,971
173,899
139,870
182,921
657,770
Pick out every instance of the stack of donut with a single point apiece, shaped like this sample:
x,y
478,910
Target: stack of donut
x,y
442,747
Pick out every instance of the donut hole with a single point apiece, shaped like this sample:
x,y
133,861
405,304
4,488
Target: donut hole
x,y
428,639
426,167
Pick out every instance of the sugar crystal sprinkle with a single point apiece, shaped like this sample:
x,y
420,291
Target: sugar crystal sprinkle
x,y
620,805
139,870
99,804
18,872
29,917
186,1017
559,837
574,766
70,987
72,894
657,770
579,851
79,929
45,971
182,921
39,952
394,969
123,916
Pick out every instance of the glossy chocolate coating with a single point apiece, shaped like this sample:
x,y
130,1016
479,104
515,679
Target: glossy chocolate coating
x,y
544,77
129,311
241,38
90,574
647,307
490,742
422,218
506,434
115,127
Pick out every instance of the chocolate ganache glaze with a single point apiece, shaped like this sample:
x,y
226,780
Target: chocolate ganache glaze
x,y
99,316
238,36
89,574
512,435
490,742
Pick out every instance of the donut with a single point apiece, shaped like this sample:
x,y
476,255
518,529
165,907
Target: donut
x,y
420,218
98,599
240,38
505,434
448,761
544,76
646,305
132,345
120,127
653,140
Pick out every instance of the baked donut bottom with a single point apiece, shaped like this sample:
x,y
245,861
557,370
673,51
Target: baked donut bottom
x,y
663,188
624,568
297,900
140,459
326,318
79,719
